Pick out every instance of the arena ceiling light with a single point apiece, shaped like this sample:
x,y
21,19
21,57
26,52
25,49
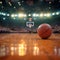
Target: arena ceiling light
x,y
3,14
8,14
53,13
57,13
45,14
12,15
16,15
25,15
48,14
22,15
29,14
35,15
41,15
4,18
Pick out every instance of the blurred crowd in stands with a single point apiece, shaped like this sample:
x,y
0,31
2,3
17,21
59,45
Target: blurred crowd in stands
x,y
55,28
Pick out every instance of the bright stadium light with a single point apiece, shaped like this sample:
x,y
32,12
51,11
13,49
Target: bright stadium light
x,y
4,18
41,15
16,15
45,14
25,15
20,15
48,15
8,15
3,14
53,13
57,13
34,15
37,14
12,15
29,14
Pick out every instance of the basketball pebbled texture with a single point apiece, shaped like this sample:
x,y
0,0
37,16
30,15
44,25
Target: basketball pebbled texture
x,y
44,31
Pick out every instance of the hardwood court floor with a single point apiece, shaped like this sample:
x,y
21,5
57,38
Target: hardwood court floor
x,y
48,49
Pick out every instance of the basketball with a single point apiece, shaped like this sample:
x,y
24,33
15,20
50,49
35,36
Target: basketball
x,y
44,31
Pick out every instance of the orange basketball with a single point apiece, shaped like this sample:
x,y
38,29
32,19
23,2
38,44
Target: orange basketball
x,y
44,31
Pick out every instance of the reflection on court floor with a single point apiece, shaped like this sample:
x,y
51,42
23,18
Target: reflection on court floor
x,y
22,49
29,44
